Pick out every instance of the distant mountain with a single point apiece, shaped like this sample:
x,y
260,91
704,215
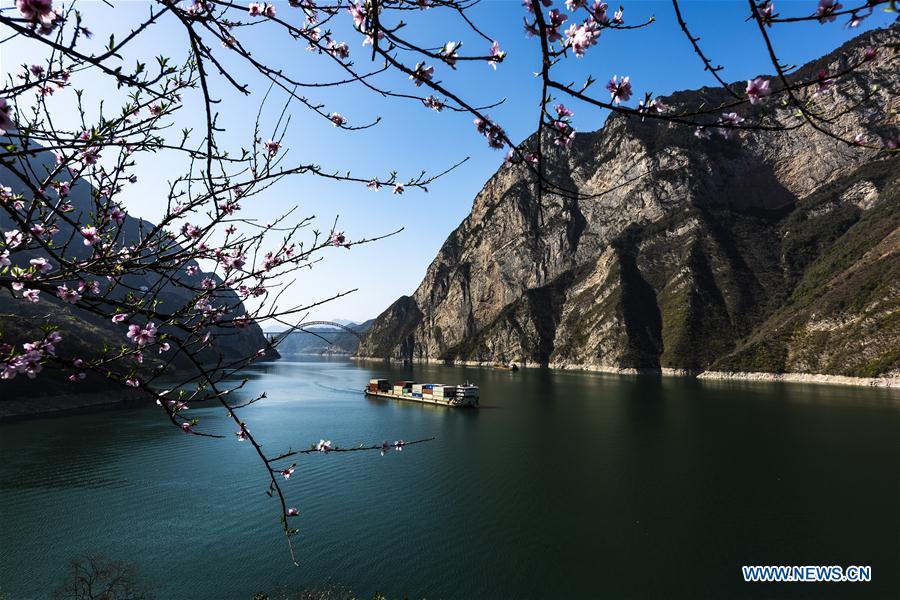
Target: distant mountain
x,y
773,252
83,333
324,340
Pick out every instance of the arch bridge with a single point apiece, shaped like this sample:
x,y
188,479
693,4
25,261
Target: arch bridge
x,y
274,337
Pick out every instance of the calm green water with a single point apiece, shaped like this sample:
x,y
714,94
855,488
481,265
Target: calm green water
x,y
564,485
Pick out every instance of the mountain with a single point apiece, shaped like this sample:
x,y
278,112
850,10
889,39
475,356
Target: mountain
x,y
770,252
325,340
83,334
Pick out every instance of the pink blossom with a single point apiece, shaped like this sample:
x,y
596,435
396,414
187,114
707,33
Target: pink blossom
x,y
42,265
324,446
374,185
132,382
186,427
826,8
13,238
858,139
573,5
192,270
434,103
384,445
870,54
398,445
562,112
421,74
449,53
766,13
288,472
555,21
142,336
164,347
581,37
338,49
398,188
732,119
119,317
70,296
758,90
38,11
242,434
90,235
702,133
337,119
359,15
31,295
292,512
272,147
155,109
257,9
338,239
619,90
497,55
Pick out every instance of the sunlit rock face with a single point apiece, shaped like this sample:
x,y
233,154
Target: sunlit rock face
x,y
768,252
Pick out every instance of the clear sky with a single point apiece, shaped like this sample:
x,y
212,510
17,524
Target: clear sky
x,y
411,137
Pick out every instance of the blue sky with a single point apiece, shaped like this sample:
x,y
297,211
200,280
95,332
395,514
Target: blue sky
x,y
411,138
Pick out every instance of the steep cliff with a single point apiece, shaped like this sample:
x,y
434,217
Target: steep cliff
x,y
774,252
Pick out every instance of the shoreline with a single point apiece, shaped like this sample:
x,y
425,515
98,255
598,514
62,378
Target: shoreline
x,y
816,378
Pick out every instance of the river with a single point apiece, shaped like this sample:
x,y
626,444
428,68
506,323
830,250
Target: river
x,y
563,485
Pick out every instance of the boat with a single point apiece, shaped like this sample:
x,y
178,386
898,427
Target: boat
x,y
463,395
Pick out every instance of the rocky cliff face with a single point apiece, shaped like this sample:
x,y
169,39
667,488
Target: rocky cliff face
x,y
773,252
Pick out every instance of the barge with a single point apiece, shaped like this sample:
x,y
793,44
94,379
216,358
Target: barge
x,y
429,393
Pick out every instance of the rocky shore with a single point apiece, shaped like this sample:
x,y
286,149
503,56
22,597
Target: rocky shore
x,y
818,378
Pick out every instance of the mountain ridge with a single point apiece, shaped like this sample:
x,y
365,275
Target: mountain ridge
x,y
679,255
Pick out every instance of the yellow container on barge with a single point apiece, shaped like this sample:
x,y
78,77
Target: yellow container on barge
x,y
427,393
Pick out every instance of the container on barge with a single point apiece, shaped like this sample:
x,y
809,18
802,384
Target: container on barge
x,y
429,393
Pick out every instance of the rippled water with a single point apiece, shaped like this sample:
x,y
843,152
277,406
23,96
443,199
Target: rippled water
x,y
563,485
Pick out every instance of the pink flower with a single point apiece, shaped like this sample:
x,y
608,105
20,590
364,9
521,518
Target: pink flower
x,y
870,54
257,9
155,109
758,90
242,434
449,53
859,139
192,270
398,188
433,103
421,74
288,472
38,11
619,90
823,80
324,446
497,55
826,8
119,317
384,445
398,445
765,12
374,185
359,15
337,119
732,119
164,347
90,235
132,382
293,512
6,122
42,265
702,133
186,427
582,37
31,295
272,147
70,296
142,336
562,112
13,238
338,239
